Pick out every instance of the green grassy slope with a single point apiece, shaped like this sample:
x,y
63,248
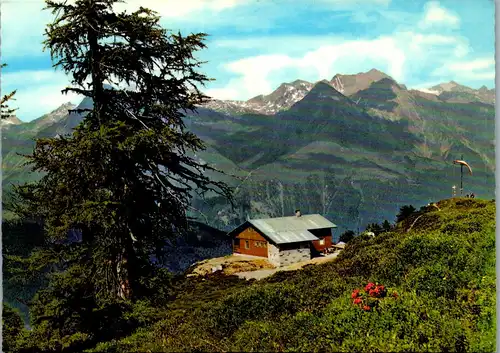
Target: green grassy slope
x,y
440,262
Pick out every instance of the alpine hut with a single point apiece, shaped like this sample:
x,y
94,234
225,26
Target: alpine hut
x,y
283,240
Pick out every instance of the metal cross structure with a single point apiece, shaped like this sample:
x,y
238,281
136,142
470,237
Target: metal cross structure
x,y
462,177
462,164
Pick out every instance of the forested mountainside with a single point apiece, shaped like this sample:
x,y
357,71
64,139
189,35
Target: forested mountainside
x,y
354,148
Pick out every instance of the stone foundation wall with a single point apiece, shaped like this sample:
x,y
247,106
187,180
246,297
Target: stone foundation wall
x,y
288,257
273,254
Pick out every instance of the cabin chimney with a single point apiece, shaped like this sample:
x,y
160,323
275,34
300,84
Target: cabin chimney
x,y
297,213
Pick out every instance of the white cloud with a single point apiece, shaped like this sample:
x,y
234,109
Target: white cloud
x,y
342,4
24,22
23,25
474,65
277,43
38,92
254,71
426,90
423,43
397,55
398,17
424,86
255,74
383,49
477,69
435,15
226,93
177,8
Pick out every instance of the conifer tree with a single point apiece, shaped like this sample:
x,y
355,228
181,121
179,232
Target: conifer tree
x,y
405,212
5,110
124,178
347,236
386,226
12,325
374,227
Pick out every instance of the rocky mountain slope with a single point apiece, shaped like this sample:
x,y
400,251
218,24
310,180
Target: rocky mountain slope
x,y
288,94
355,156
18,139
282,98
12,120
350,84
349,156
455,93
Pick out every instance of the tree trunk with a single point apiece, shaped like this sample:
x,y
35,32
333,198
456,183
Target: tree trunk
x,y
126,273
96,72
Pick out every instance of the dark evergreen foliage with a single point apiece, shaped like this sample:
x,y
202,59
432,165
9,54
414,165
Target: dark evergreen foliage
x,y
347,236
386,226
5,110
123,179
404,212
375,228
12,326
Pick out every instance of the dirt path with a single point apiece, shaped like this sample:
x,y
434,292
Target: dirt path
x,y
249,267
260,274
229,265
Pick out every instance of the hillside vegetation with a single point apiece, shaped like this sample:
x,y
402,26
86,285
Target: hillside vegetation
x,y
442,269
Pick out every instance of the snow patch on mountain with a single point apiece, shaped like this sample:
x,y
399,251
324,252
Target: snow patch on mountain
x,y
337,84
430,91
10,121
286,95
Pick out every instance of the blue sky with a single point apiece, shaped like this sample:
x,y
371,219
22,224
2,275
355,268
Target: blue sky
x,y
255,45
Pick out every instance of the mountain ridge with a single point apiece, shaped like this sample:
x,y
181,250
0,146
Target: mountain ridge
x,y
288,93
382,146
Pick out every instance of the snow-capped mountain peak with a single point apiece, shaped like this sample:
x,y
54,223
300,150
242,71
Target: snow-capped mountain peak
x,y
10,121
282,98
289,93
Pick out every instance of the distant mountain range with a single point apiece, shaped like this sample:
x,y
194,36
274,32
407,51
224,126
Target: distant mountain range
x,y
12,120
288,94
354,148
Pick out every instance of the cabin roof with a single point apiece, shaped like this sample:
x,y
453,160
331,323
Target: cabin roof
x,y
288,229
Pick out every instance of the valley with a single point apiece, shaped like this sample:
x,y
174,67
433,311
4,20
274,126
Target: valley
x,y
355,148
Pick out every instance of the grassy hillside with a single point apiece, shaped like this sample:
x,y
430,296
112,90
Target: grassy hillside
x,y
440,262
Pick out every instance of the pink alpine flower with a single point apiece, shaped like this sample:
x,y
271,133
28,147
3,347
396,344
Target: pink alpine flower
x,y
369,286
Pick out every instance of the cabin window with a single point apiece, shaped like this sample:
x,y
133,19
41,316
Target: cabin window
x,y
322,241
247,244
